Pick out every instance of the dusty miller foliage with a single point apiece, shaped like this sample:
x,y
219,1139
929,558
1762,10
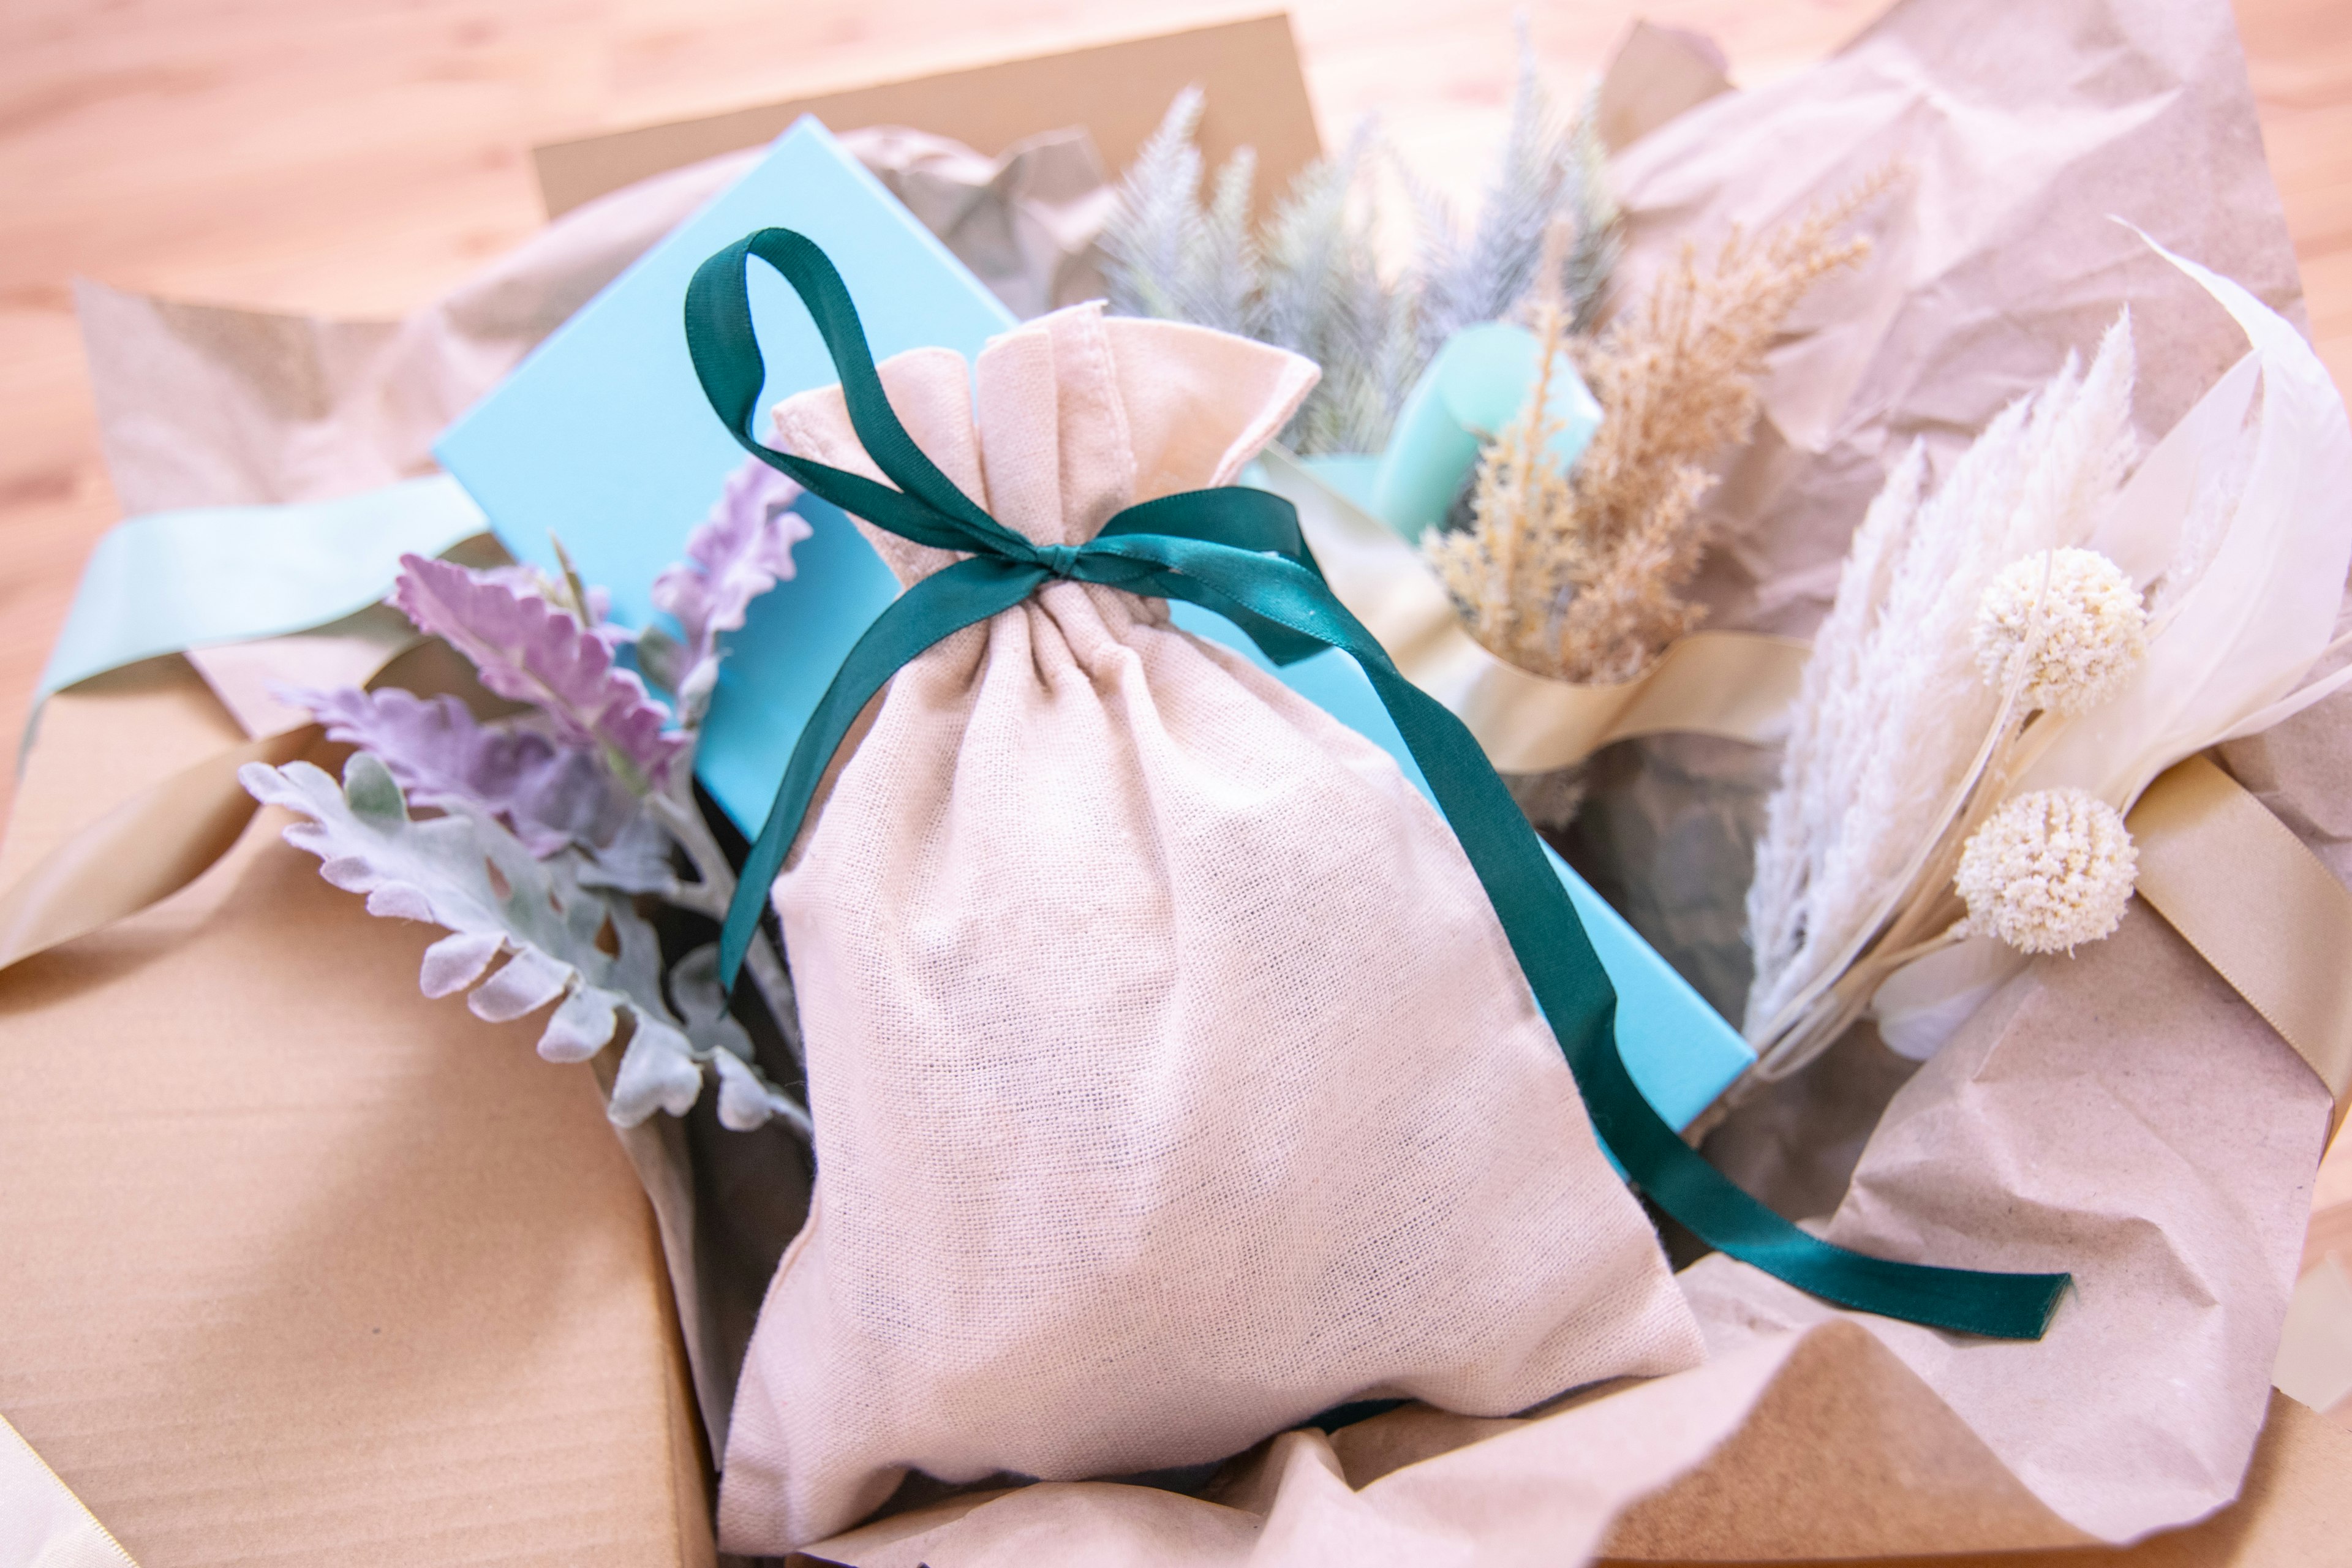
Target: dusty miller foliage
x,y
1308,279
549,830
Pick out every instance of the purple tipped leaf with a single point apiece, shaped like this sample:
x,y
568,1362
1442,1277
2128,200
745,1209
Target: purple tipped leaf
x,y
550,793
530,651
741,550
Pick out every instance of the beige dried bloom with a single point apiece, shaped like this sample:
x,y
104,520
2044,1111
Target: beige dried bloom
x,y
2049,870
1577,575
2075,619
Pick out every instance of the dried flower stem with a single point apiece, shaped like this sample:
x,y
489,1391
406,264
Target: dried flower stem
x,y
1899,744
1577,576
1927,912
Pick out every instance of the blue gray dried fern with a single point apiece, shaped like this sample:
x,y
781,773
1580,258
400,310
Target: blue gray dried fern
x,y
1322,296
1225,269
1552,169
1593,217
1154,228
1166,253
1309,281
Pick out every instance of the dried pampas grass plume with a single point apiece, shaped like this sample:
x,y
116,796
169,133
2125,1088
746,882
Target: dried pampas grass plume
x,y
1578,575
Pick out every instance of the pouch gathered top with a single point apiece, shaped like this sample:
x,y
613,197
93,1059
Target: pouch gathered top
x,y
1174,1077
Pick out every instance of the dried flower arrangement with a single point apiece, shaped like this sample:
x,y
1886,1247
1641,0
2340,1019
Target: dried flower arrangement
x,y
553,824
2011,661
1576,574
1909,724
1309,279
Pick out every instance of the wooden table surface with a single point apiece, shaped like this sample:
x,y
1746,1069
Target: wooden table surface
x,y
357,157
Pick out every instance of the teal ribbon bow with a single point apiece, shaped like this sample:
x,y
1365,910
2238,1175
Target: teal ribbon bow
x,y
1238,552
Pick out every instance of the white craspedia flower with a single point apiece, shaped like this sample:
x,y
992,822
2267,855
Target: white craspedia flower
x,y
2049,870
2092,628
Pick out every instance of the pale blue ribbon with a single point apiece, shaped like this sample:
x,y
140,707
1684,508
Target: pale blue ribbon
x,y
170,581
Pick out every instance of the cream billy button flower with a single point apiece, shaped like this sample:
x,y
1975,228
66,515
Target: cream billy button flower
x,y
2049,870
2090,624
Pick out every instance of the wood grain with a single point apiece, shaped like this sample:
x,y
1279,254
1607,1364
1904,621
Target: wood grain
x,y
356,158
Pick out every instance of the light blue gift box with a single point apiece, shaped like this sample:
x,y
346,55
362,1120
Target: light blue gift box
x,y
604,436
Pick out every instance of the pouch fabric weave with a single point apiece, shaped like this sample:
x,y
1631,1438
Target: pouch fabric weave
x,y
1173,1081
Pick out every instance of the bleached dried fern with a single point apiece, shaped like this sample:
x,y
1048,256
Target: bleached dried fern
x,y
1577,576
1895,727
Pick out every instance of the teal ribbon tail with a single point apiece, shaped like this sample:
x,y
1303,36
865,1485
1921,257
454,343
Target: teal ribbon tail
x,y
1239,553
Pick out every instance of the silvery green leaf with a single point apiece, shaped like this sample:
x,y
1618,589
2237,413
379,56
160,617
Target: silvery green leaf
x,y
746,1098
745,1101
636,860
457,959
581,1026
658,1072
563,939
528,981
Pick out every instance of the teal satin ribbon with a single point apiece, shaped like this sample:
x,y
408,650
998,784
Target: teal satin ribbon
x,y
1238,552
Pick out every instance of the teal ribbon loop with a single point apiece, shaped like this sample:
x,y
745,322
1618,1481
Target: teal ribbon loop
x,y
1239,552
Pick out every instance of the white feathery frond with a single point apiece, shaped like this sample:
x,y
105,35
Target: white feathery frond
x,y
2241,520
1804,812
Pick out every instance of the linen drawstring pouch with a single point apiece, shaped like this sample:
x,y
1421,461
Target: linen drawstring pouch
x,y
1177,1073
1173,1081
